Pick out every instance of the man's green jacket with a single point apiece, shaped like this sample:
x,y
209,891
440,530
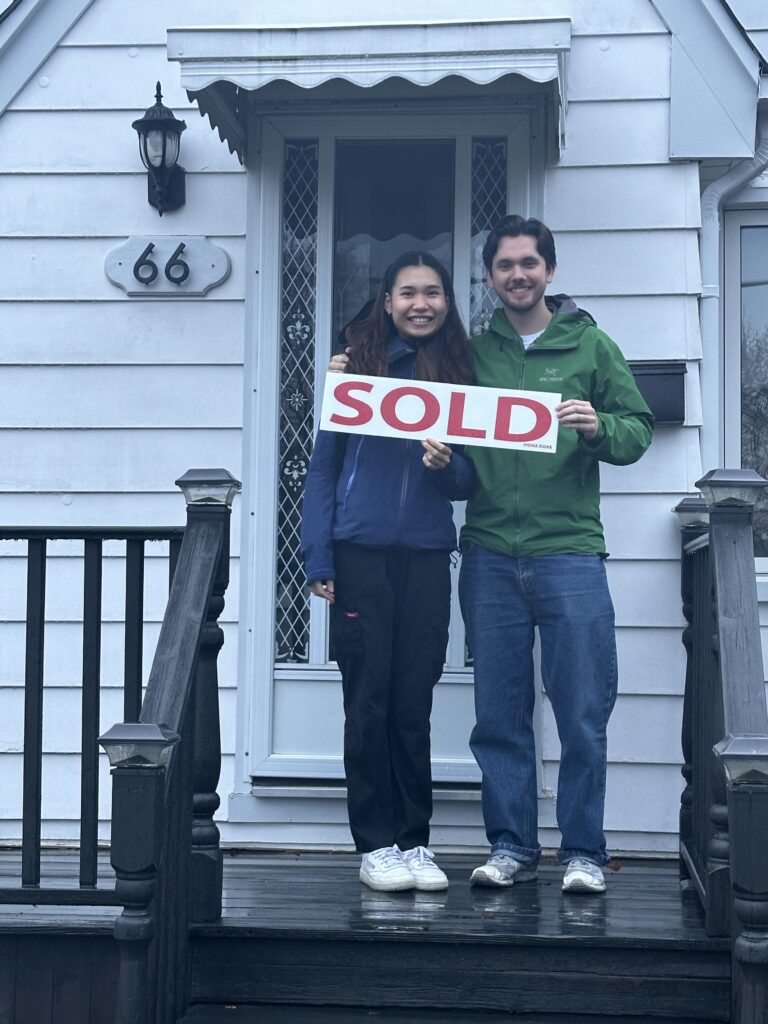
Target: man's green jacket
x,y
538,503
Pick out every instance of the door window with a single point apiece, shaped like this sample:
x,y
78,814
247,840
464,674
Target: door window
x,y
391,196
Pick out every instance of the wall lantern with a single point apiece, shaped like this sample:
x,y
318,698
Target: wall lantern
x,y
159,139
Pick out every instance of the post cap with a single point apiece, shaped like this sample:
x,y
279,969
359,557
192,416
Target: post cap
x,y
208,487
733,487
692,511
138,744
745,758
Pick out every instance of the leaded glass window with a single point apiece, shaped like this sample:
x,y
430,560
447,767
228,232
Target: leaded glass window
x,y
489,205
297,382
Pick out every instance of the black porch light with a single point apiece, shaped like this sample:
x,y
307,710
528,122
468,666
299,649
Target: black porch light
x,y
159,140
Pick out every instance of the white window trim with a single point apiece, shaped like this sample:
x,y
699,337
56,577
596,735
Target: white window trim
x,y
261,376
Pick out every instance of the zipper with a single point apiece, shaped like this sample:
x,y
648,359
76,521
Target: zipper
x,y
404,485
352,475
515,471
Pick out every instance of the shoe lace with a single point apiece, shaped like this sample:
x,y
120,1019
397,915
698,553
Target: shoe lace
x,y
388,856
580,864
501,860
419,854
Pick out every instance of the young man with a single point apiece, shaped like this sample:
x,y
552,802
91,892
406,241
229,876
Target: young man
x,y
533,556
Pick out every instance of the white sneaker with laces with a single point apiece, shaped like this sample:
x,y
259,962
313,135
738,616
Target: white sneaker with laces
x,y
385,870
427,875
502,869
582,875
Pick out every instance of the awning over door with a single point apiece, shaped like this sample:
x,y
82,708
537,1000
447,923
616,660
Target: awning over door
x,y
216,63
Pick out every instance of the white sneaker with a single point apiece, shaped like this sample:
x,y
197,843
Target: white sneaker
x,y
427,875
582,875
386,870
502,869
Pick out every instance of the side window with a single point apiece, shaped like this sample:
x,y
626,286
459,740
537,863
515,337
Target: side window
x,y
746,356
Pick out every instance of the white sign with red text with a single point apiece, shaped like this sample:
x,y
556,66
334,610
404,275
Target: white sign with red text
x,y
451,413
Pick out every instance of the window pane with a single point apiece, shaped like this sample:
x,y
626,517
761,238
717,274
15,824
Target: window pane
x,y
489,205
391,196
297,373
754,367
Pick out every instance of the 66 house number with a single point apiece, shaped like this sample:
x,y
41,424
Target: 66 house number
x,y
176,270
167,267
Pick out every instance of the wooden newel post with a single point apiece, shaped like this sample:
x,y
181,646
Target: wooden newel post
x,y
746,764
138,754
731,495
208,493
694,518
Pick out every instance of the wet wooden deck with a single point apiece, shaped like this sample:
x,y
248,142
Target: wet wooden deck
x,y
299,929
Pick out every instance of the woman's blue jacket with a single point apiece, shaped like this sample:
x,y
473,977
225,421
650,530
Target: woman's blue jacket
x,y
377,491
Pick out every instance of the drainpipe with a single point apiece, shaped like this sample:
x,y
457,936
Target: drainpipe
x,y
712,200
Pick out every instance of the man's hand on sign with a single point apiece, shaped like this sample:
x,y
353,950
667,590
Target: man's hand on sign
x,y
323,588
436,455
338,363
578,416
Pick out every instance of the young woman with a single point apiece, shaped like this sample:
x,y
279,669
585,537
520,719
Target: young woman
x,y
377,533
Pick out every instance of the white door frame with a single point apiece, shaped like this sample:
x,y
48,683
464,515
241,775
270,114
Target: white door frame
x,y
266,133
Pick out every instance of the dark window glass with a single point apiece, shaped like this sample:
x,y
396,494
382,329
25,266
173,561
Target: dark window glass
x,y
391,196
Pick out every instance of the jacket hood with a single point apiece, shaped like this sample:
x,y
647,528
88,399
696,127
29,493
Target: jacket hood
x,y
565,328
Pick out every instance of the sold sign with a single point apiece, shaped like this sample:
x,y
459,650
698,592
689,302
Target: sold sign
x,y
452,413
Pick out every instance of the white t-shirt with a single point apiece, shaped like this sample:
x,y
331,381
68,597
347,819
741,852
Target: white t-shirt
x,y
528,339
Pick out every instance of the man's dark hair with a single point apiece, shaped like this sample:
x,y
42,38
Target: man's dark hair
x,y
513,226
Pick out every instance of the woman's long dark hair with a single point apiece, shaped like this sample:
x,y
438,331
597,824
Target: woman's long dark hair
x,y
444,356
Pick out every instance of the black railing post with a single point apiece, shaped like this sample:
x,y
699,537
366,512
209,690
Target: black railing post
x,y
693,516
208,493
138,754
746,764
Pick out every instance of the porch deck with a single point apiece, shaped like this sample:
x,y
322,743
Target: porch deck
x,y
298,929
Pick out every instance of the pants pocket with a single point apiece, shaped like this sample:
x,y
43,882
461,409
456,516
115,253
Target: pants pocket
x,y
346,632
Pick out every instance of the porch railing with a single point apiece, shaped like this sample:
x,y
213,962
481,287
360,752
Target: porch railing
x,y
165,771
724,805
39,544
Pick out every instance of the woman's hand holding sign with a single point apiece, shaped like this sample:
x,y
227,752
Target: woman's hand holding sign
x,y
338,363
578,416
436,455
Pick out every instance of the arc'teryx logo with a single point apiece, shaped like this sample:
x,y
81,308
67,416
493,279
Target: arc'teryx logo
x,y
552,375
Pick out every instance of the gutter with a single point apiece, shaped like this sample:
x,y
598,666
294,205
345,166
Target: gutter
x,y
710,315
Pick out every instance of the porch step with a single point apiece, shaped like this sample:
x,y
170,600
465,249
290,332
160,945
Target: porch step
x,y
207,1014
304,932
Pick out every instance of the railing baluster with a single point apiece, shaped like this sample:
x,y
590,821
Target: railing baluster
x,y
89,769
134,628
174,547
33,713
27,889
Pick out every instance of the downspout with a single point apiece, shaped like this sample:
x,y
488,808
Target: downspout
x,y
712,200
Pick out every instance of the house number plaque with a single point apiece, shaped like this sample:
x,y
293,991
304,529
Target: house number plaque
x,y
167,266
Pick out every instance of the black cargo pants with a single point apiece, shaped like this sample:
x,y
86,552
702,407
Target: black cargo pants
x,y
390,632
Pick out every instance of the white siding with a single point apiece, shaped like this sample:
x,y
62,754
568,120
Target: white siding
x,y
105,400
128,394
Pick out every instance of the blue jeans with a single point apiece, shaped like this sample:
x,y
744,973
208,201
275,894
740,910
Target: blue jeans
x,y
567,598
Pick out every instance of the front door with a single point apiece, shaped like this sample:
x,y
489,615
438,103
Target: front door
x,y
343,197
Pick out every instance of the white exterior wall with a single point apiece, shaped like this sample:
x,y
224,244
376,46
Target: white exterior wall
x,y
158,384
105,400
